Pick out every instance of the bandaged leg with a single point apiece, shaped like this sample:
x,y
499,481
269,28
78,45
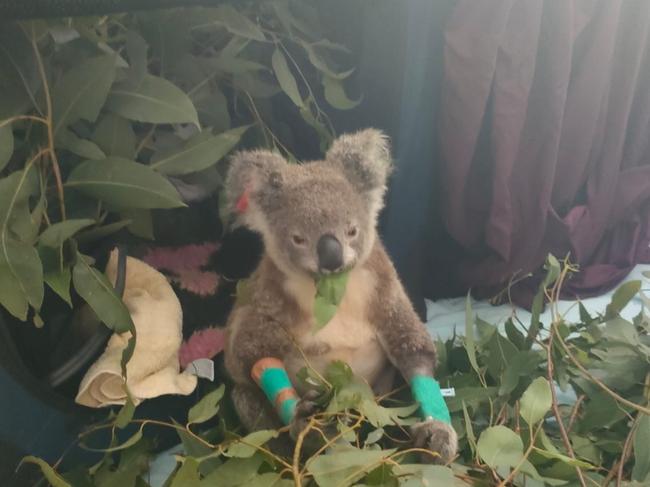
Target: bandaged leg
x,y
271,376
426,392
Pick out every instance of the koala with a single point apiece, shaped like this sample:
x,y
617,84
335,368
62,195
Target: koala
x,y
317,218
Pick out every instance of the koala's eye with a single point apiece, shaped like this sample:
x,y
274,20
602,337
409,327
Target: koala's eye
x,y
298,240
352,232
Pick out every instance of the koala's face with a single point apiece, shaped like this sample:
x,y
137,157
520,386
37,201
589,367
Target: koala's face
x,y
318,217
317,223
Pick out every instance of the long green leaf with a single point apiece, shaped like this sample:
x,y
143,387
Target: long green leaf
x,y
82,91
499,446
188,474
285,77
238,24
6,145
50,474
207,407
115,136
95,289
56,234
345,466
154,100
536,401
21,272
470,345
336,96
641,470
199,154
124,184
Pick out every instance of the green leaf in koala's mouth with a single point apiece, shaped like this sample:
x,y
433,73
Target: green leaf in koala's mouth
x,y
329,293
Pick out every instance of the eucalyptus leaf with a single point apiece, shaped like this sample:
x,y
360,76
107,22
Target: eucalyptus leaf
x,y
115,136
621,297
499,446
345,466
247,446
6,144
154,100
286,78
536,401
50,474
199,153
238,24
641,470
330,290
425,475
97,291
68,140
470,345
82,91
234,472
317,52
124,184
141,222
187,475
56,234
21,271
207,407
336,96
136,47
126,413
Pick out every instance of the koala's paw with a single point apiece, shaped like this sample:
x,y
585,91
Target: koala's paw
x,y
437,437
305,409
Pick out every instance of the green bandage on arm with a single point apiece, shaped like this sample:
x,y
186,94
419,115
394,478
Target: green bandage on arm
x,y
271,376
426,392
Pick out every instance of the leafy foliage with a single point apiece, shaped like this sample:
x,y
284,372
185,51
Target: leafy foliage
x,y
522,434
101,118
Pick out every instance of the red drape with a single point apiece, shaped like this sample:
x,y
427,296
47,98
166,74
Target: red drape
x,y
544,132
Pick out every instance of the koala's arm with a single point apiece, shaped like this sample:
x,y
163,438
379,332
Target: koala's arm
x,y
257,345
401,332
409,347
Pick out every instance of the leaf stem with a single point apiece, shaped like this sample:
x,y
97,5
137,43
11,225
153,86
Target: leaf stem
x,y
50,132
18,118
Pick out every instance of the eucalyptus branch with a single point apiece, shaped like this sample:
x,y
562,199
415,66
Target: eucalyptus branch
x,y
48,122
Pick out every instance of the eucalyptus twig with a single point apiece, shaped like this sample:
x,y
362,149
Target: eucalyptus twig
x,y
555,294
19,118
333,440
626,451
144,141
600,383
50,130
574,412
295,467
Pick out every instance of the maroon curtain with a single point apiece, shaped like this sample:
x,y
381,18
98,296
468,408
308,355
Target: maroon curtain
x,y
545,131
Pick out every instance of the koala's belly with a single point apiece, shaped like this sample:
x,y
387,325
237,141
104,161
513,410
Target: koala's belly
x,y
350,340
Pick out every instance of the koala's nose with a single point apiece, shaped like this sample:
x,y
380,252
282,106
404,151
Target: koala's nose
x,y
330,253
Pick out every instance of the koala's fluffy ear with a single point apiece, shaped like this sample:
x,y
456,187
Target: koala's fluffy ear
x,y
365,159
251,174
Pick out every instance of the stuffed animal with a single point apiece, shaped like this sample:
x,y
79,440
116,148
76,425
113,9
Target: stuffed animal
x,y
319,219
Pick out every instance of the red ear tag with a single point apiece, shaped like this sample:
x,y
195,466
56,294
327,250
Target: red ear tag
x,y
242,202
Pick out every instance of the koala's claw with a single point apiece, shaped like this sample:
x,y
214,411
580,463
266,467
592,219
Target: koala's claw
x,y
305,409
438,437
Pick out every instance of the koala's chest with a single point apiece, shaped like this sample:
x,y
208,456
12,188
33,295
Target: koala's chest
x,y
350,336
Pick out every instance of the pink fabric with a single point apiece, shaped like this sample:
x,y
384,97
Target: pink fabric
x,y
205,343
186,266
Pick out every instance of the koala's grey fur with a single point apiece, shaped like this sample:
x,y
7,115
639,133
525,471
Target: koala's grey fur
x,y
375,330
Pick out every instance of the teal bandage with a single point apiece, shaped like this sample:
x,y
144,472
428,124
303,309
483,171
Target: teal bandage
x,y
273,381
271,376
287,409
426,392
